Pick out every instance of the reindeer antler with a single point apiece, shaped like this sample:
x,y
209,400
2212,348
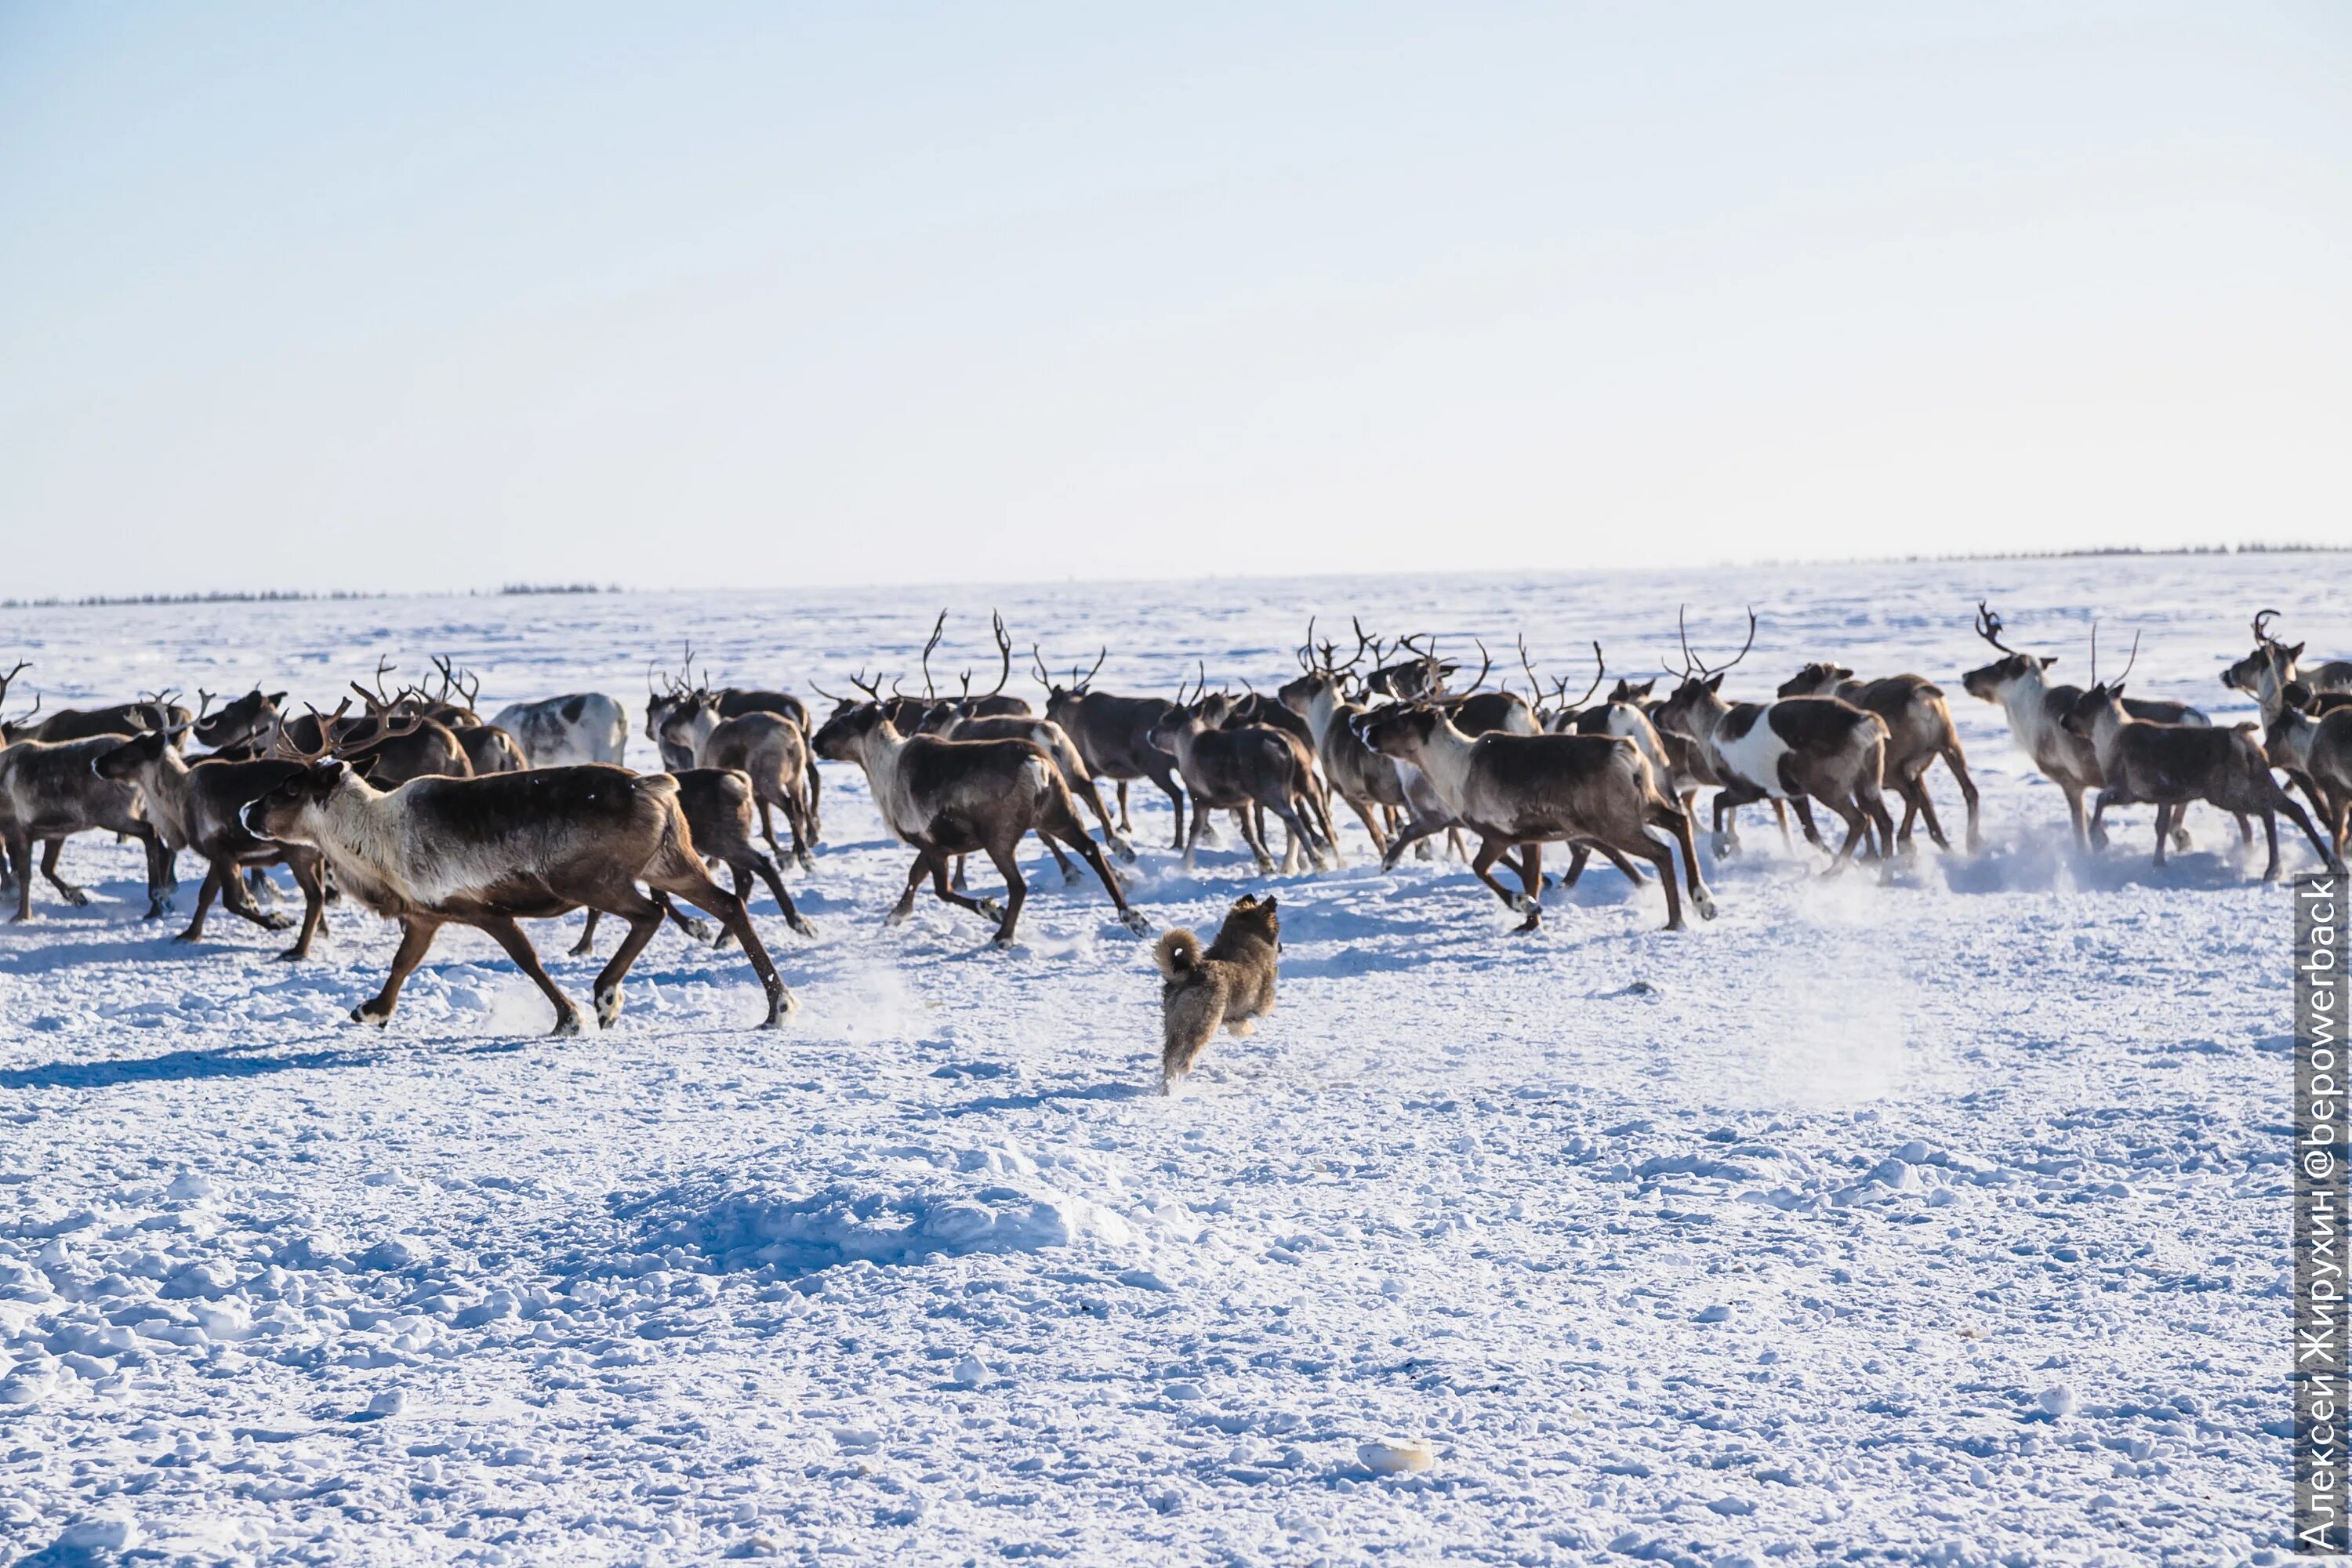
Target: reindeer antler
x,y
871,687
1080,682
2262,619
1486,664
22,666
1599,674
285,750
2132,660
1692,662
1989,628
939,629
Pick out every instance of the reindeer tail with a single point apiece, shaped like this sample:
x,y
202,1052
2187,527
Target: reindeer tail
x,y
1178,955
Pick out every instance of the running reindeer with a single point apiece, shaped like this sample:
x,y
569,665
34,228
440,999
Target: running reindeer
x,y
2169,765
1796,748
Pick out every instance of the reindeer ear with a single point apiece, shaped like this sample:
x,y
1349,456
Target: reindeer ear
x,y
2296,652
2116,691
1714,681
2046,663
1842,672
276,698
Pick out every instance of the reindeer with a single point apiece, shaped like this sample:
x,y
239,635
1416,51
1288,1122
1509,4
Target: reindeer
x,y
718,807
2168,766
248,722
567,731
1114,735
1686,770
1919,730
394,743
51,790
768,746
488,748
1238,768
154,710
194,806
1372,785
994,703
2018,682
489,852
952,797
2265,673
1793,748
2316,750
948,721
1587,790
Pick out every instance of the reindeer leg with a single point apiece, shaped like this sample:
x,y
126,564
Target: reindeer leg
x,y
1413,833
1579,854
1678,824
1958,763
796,817
416,932
509,935
1092,795
586,946
234,900
813,784
680,877
1857,830
1008,866
767,824
1124,825
1805,809
960,885
204,896
1074,833
987,909
1531,874
314,905
20,857
1365,813
766,869
2097,826
2167,817
1255,839
1166,779
2286,803
1658,852
66,890
906,904
1061,862
1481,867
694,929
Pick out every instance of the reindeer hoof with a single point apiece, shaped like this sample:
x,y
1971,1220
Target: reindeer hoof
x,y
895,917
581,950
1705,905
805,864
291,955
802,927
1123,851
73,896
992,909
1072,876
699,930
1534,920
567,1023
365,1012
1134,921
608,1008
276,922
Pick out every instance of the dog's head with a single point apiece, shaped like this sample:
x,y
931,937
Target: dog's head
x,y
1256,917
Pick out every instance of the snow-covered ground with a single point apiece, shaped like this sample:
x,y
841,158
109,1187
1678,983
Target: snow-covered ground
x,y
1940,1221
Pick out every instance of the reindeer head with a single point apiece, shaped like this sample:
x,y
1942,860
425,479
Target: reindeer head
x,y
1061,696
289,812
1991,682
1402,730
248,717
1814,680
844,737
1626,691
2265,672
128,761
1697,702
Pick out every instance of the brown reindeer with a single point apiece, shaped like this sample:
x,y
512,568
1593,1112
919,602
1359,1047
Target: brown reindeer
x,y
949,721
768,746
194,806
1114,735
1234,769
1793,748
2036,710
2316,750
2265,673
953,798
1686,770
1586,791
1919,730
51,790
2168,766
490,852
718,807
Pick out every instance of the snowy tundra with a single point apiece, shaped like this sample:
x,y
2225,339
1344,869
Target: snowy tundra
x,y
1932,1220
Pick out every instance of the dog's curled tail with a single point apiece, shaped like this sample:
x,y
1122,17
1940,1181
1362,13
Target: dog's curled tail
x,y
1178,953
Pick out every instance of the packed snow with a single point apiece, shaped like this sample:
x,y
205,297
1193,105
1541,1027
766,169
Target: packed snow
x,y
1932,1219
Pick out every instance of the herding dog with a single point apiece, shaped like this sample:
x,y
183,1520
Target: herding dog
x,y
1231,984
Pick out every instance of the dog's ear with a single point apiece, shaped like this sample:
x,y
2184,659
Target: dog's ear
x,y
1268,905
1246,901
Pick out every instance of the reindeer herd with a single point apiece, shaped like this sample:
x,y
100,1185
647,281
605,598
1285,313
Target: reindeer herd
x,y
422,811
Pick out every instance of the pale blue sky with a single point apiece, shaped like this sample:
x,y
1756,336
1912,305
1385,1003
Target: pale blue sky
x,y
707,294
